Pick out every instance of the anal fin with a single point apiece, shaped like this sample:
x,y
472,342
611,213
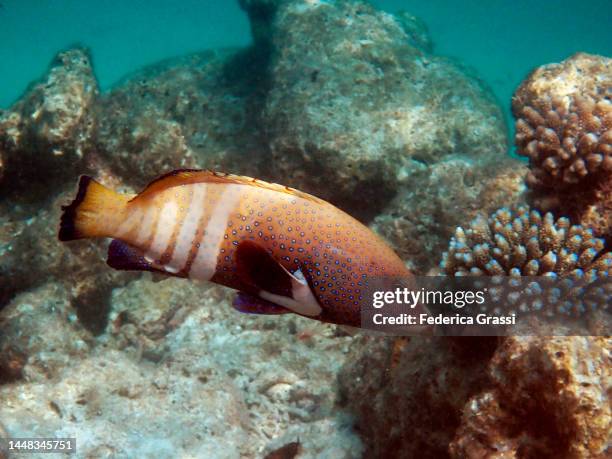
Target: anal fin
x,y
125,257
253,305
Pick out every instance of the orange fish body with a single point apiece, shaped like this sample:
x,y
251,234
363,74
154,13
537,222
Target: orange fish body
x,y
284,250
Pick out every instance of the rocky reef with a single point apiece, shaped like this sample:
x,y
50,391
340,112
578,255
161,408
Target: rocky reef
x,y
206,111
177,372
548,397
521,396
49,129
438,198
366,116
394,105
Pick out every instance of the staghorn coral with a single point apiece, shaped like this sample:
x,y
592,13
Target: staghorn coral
x,y
566,129
525,243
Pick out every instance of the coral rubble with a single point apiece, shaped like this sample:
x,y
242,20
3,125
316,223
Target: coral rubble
x,y
40,335
564,126
177,372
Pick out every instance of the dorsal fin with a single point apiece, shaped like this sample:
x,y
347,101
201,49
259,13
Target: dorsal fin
x,y
188,176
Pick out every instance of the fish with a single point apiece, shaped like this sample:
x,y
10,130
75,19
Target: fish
x,y
288,451
283,250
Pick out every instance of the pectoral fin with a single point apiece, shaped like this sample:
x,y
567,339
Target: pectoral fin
x,y
259,270
269,280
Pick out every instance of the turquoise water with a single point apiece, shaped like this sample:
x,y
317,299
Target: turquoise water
x,y
502,40
122,35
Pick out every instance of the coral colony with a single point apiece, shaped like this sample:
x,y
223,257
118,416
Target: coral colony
x,y
525,243
564,126
566,134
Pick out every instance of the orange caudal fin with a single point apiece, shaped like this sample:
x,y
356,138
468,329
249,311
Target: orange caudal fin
x,y
94,212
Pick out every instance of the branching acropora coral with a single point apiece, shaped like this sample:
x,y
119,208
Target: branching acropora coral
x,y
566,139
576,273
564,122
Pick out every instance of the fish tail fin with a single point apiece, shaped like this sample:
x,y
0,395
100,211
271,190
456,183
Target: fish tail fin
x,y
94,212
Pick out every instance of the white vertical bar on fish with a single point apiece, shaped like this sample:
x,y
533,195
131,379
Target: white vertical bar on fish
x,y
186,236
205,262
165,226
146,227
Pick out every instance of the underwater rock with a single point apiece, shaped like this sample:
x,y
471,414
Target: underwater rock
x,y
345,112
407,393
564,126
40,335
419,221
179,364
588,205
114,406
550,397
49,129
182,113
31,256
261,17
416,30
327,438
283,111
520,396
